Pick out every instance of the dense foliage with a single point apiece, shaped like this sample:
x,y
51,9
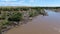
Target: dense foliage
x,y
15,16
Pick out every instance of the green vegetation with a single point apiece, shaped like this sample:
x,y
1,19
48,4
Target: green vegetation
x,y
33,13
15,14
6,18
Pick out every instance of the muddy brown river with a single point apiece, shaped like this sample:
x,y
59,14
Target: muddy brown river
x,y
40,25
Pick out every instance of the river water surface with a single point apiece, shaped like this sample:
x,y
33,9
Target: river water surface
x,y
40,25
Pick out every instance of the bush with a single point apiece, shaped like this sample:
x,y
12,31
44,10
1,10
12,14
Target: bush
x,y
15,16
5,22
33,13
30,14
3,16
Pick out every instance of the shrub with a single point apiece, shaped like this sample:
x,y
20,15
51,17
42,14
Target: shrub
x,y
5,22
15,16
3,15
32,13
